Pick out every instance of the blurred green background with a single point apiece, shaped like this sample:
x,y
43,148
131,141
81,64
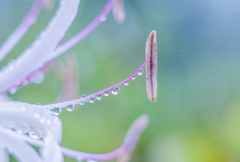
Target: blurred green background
x,y
196,116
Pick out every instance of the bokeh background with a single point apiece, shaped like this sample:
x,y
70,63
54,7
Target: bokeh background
x,y
197,114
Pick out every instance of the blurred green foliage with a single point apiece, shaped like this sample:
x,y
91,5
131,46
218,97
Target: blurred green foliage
x,y
196,116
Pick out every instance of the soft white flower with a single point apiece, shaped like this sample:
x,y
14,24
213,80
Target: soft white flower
x,y
23,125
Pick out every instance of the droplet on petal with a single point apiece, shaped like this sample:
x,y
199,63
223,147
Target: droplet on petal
x,y
34,135
37,78
12,90
56,111
21,128
134,77
19,131
23,108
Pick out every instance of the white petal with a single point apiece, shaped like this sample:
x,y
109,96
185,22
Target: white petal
x,y
5,98
21,150
52,152
3,154
34,56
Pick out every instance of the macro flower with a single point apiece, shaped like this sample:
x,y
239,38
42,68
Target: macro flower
x,y
23,125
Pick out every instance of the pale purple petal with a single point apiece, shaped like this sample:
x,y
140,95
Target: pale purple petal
x,y
133,134
20,31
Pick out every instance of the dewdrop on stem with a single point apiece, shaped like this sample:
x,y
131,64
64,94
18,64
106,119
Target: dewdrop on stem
x,y
70,107
115,90
56,111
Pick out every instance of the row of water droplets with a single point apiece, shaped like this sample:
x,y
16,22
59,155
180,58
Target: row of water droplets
x,y
115,91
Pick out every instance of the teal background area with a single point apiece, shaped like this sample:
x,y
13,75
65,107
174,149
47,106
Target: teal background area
x,y
196,116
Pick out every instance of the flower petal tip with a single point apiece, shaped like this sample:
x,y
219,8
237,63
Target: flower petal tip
x,y
131,139
142,121
151,66
118,11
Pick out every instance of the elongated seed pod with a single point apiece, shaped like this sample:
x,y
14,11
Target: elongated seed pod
x,y
151,66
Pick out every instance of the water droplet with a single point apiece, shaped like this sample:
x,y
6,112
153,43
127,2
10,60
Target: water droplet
x,y
81,103
127,83
21,128
102,18
36,115
19,131
12,90
115,90
56,111
82,96
34,135
79,158
70,107
23,108
91,160
140,72
134,77
107,93
91,100
48,122
37,78
99,97
42,119
25,82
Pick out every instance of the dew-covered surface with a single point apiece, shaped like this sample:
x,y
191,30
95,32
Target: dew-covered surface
x,y
196,116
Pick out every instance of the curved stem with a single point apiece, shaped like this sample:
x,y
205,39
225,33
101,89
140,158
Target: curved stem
x,y
77,101
20,31
125,150
84,33
86,156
